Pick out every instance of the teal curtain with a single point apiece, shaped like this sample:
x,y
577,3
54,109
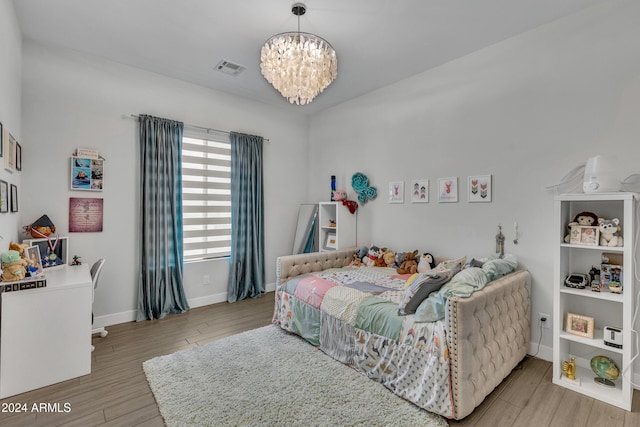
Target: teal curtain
x,y
160,287
246,273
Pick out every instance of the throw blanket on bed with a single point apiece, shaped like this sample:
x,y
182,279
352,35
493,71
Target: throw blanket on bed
x,y
352,315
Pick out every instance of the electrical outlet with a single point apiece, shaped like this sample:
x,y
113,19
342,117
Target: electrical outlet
x,y
205,279
545,320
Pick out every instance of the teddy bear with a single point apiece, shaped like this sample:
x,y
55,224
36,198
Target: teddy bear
x,y
610,232
583,218
389,259
409,265
426,263
13,266
21,248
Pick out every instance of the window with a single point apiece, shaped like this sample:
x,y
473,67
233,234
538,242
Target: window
x,y
206,196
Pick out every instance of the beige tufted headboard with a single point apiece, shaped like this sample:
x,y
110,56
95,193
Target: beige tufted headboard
x,y
294,265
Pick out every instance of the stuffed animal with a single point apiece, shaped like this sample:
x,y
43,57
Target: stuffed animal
x,y
400,258
362,252
389,259
42,227
426,262
13,266
355,260
409,265
380,260
339,195
610,232
372,256
583,218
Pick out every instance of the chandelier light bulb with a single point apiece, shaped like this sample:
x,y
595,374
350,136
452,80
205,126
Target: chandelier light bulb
x,y
298,65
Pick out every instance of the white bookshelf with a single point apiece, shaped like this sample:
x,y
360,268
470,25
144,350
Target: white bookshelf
x,y
607,308
342,233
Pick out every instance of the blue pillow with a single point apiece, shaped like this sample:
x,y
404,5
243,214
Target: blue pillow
x,y
462,284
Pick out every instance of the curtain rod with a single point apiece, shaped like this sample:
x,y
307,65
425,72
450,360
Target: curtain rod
x,y
135,116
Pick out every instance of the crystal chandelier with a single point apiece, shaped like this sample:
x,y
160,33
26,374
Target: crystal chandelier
x,y
299,65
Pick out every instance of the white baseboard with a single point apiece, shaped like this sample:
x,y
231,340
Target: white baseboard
x,y
130,316
544,353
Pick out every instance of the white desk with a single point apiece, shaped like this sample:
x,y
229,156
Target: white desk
x,y
45,333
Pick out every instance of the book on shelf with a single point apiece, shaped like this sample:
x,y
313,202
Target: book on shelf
x,y
33,282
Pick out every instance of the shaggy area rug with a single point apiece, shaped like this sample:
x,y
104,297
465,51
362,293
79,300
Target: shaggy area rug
x,y
267,377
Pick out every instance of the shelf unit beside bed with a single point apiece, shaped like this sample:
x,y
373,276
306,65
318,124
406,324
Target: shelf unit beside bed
x,y
340,235
605,307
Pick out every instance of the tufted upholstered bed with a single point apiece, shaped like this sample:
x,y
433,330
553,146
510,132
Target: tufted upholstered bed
x,y
478,343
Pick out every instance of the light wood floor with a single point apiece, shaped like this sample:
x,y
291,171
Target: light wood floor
x,y
116,392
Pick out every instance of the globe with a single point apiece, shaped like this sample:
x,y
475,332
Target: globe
x,y
606,370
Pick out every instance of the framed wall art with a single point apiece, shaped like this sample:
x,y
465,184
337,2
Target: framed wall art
x,y
480,188
18,156
85,215
420,191
9,153
396,192
580,325
4,196
1,138
14,198
448,190
86,173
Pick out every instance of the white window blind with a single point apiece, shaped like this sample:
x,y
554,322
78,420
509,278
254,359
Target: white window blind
x,y
206,197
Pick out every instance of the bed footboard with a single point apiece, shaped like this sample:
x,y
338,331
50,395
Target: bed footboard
x,y
489,335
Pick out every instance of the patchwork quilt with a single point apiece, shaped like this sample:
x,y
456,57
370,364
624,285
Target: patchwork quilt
x,y
352,315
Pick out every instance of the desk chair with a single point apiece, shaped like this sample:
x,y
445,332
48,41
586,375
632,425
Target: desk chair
x,y
96,268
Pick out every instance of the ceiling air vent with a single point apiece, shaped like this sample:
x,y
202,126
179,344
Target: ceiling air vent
x,y
230,68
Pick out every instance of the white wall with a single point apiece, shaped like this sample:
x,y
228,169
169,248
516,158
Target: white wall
x,y
72,100
525,111
10,114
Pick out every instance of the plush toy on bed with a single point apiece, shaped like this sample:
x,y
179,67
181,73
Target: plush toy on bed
x,y
362,252
355,260
427,262
583,218
610,232
409,265
372,257
389,259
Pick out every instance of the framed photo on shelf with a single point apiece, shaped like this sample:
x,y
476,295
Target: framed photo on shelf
x,y
580,325
33,253
585,235
330,241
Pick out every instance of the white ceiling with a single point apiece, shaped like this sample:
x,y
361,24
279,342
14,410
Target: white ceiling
x,y
378,42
